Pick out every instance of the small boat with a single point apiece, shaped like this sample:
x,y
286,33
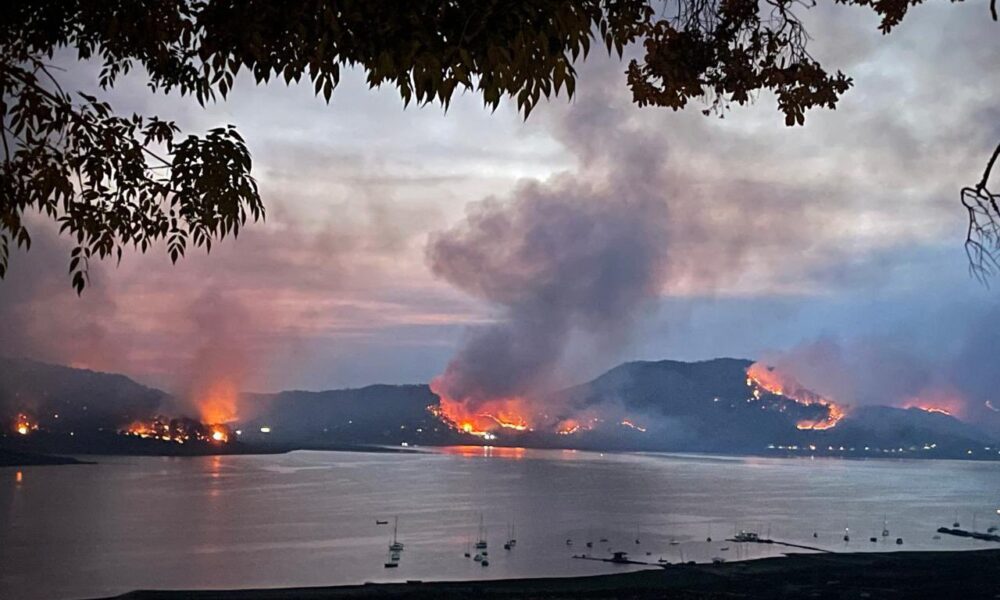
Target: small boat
x,y
590,544
478,558
396,545
847,534
873,539
936,537
663,561
718,560
569,542
393,561
603,540
899,541
674,542
747,536
379,522
481,543
724,549
885,527
509,544
484,563
815,535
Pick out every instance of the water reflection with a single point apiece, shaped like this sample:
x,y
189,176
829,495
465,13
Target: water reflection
x,y
485,451
308,518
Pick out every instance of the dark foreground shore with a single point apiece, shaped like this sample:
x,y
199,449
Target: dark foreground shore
x,y
930,575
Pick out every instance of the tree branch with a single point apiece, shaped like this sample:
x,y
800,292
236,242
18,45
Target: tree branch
x,y
989,165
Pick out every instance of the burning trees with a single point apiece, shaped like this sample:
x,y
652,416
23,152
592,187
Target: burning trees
x,y
179,430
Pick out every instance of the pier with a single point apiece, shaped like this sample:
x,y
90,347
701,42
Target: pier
x,y
986,537
778,543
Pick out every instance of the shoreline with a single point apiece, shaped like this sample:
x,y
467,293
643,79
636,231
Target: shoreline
x,y
903,574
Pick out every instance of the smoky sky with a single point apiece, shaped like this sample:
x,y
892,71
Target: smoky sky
x,y
692,237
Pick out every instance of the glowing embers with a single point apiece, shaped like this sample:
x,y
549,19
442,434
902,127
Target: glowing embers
x,y
761,377
936,401
631,425
178,430
24,424
492,416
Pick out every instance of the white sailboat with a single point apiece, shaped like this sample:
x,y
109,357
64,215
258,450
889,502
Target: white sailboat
x,y
396,546
481,544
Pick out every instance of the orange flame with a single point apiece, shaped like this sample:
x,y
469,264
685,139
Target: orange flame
x,y
936,401
177,430
760,376
218,402
23,424
568,427
486,418
632,425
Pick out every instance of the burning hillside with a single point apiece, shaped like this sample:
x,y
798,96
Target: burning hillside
x,y
761,378
24,424
936,401
179,430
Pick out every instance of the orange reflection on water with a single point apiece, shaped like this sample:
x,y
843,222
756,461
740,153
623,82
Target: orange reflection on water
x,y
19,477
487,451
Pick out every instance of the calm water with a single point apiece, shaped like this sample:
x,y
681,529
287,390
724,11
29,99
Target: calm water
x,y
308,518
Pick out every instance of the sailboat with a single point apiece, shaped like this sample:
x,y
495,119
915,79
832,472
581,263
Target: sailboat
x,y
885,527
481,544
468,547
395,546
393,561
510,537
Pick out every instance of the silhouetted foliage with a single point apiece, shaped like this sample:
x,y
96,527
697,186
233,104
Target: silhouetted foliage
x,y
982,241
113,181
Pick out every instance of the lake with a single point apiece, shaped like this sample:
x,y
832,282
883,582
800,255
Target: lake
x,y
309,518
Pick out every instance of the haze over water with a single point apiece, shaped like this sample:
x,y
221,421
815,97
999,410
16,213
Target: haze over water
x,y
308,518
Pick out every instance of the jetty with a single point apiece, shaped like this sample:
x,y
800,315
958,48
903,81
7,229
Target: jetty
x,y
619,558
986,537
760,540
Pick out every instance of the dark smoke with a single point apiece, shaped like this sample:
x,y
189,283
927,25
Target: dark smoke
x,y
557,259
576,259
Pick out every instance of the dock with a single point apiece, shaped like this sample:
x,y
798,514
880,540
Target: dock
x,y
986,537
620,558
780,543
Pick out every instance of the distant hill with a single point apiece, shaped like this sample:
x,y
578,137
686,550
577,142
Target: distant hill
x,y
83,399
379,414
665,405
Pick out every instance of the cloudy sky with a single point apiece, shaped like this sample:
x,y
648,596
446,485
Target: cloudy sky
x,y
836,246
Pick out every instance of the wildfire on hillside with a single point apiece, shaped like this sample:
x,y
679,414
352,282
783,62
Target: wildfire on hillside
x,y
178,430
24,425
937,401
761,377
631,425
509,414
217,403
494,415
